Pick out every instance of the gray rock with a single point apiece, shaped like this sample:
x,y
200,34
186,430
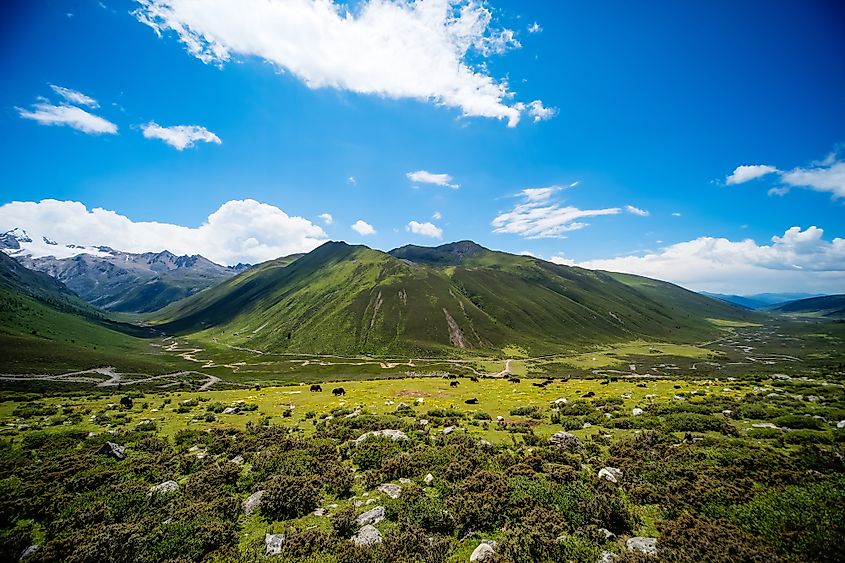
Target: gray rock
x,y
113,450
391,490
565,439
448,430
607,557
404,480
372,516
636,411
253,502
170,486
429,479
29,551
395,435
484,552
368,535
273,544
765,425
230,410
840,424
239,459
611,474
642,544
608,535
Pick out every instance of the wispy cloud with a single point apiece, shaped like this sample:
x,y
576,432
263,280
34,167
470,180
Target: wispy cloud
x,y
75,97
422,50
68,116
425,229
426,177
538,217
363,228
826,175
180,137
534,28
636,211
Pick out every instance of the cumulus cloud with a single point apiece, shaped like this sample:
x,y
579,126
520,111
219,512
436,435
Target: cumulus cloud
x,y
425,229
537,110
69,116
798,260
538,217
636,211
363,228
180,137
746,173
395,49
827,175
75,97
239,231
426,177
534,28
562,260
326,218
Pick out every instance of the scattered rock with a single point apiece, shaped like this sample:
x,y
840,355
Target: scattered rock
x,y
113,450
500,418
560,401
404,480
319,511
170,486
611,474
394,435
484,552
273,544
239,459
565,439
29,551
727,412
368,535
607,557
448,430
372,516
354,414
765,425
636,411
644,545
231,410
840,424
429,478
391,490
781,376
608,535
484,443
253,502
423,422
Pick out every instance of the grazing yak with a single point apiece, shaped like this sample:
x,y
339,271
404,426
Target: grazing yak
x,y
472,401
316,388
588,394
338,391
126,402
514,380
473,378
453,383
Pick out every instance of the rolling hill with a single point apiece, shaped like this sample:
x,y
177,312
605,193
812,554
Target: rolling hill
x,y
832,306
760,300
455,297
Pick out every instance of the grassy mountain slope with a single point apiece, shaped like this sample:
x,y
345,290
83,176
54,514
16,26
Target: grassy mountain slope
x,y
352,299
46,328
832,306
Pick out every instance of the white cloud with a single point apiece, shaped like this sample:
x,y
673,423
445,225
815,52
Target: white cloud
x,y
798,260
527,253
534,28
352,180
425,229
746,173
562,260
676,214
437,216
70,116
537,110
536,217
636,211
396,49
239,231
827,175
426,177
75,97
327,218
363,228
179,137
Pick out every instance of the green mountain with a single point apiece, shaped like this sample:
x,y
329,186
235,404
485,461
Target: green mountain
x,y
832,306
44,328
418,300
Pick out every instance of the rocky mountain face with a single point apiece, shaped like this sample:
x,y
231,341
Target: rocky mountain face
x,y
119,281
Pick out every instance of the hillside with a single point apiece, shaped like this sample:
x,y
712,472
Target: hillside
x,y
45,328
352,299
832,306
127,282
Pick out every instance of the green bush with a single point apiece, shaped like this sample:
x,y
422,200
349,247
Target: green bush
x,y
289,497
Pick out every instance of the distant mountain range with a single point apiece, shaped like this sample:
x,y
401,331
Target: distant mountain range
x,y
119,281
831,306
456,297
760,300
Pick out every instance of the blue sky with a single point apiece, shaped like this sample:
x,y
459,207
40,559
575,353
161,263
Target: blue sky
x,y
651,105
